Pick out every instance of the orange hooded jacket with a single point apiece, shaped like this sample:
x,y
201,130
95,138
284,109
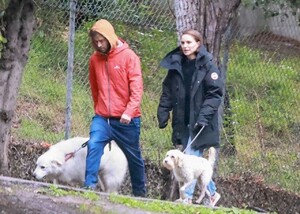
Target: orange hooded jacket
x,y
116,78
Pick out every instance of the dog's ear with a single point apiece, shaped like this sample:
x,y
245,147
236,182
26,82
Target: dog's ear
x,y
56,163
179,160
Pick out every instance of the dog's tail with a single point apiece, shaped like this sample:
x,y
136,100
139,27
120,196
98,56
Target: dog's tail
x,y
212,156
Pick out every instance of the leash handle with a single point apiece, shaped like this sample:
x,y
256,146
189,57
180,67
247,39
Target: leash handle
x,y
190,143
81,147
84,144
71,154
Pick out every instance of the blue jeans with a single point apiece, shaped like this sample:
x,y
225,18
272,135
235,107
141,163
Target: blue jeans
x,y
127,136
189,191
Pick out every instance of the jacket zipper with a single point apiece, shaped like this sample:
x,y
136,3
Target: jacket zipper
x,y
108,85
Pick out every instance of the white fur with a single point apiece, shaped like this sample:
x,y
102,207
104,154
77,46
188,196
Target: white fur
x,y
187,168
52,165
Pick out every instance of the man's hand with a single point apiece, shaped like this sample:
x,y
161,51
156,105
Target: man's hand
x,y
125,119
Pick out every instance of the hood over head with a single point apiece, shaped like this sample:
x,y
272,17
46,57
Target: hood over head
x,y
107,30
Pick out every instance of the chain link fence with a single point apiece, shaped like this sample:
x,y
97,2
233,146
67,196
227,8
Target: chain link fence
x,y
262,119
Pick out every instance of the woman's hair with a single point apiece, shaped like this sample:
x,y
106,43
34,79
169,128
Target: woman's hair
x,y
194,33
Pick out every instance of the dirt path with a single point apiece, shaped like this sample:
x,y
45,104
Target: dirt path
x,y
19,196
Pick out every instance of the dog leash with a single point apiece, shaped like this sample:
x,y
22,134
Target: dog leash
x,y
72,154
191,142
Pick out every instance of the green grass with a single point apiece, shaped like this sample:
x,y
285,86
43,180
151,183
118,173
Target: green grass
x,y
267,90
264,93
145,205
172,208
43,90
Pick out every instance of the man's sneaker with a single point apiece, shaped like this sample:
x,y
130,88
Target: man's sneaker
x,y
214,199
89,188
139,194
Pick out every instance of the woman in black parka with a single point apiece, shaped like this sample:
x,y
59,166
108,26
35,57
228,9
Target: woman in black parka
x,y
192,91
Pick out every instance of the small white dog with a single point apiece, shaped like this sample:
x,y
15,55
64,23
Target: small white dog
x,y
55,166
186,168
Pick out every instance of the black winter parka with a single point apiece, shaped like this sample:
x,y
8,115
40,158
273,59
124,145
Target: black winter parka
x,y
206,94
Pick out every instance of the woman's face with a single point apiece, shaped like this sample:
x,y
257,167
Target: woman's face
x,y
189,46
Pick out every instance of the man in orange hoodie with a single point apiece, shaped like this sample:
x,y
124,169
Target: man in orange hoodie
x,y
117,86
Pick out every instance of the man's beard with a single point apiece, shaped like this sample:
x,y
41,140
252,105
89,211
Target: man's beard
x,y
103,50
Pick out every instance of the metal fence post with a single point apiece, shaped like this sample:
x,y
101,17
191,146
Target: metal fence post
x,y
70,68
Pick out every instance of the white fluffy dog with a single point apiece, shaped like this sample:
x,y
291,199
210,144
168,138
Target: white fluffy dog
x,y
186,168
54,164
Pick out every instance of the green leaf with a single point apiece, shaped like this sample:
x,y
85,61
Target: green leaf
x,y
3,39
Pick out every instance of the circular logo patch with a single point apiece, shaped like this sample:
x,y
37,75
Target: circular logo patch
x,y
214,76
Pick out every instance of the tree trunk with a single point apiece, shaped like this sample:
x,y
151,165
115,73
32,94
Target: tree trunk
x,y
187,15
209,17
19,20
